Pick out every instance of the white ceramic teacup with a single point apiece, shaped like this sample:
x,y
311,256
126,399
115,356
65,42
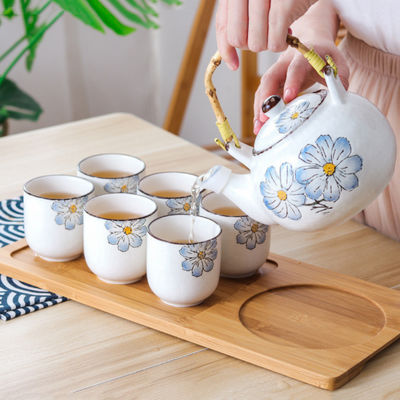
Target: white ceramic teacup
x,y
53,215
180,273
112,173
170,190
245,242
115,236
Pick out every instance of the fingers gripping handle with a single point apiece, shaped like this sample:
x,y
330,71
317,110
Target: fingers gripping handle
x,y
313,58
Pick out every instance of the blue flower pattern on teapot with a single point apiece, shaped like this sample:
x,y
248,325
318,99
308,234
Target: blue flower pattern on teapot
x,y
316,162
329,168
294,116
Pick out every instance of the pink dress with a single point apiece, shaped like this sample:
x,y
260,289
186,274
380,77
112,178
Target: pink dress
x,y
375,75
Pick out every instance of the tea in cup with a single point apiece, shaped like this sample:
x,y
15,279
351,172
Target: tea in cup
x,y
180,273
112,173
53,215
115,236
245,242
170,190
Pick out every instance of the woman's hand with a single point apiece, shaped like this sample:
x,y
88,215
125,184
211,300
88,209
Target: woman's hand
x,y
291,74
255,25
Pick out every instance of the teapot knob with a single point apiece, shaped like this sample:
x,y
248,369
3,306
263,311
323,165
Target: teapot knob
x,y
273,106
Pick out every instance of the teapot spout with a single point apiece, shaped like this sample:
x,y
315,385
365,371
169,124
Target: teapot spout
x,y
237,188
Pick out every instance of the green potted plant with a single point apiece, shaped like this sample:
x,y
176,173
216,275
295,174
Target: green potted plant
x,y
17,104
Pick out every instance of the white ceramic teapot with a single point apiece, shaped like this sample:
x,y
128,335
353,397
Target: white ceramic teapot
x,y
317,161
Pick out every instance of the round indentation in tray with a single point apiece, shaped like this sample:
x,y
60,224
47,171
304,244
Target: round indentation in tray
x,y
312,317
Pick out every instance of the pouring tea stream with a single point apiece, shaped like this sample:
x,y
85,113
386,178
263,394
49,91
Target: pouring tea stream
x,y
317,161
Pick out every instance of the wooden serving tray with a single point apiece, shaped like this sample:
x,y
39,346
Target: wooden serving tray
x,y
305,322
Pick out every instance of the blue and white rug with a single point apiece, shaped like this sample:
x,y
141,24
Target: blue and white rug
x,y
18,298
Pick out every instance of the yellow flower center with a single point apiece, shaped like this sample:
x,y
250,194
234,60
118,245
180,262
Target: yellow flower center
x,y
295,115
201,255
282,195
124,189
73,209
329,169
254,228
127,230
186,207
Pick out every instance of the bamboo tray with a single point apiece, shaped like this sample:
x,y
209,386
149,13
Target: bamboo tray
x,y
305,322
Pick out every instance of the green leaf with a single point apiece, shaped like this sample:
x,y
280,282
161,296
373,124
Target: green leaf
x,y
32,42
109,19
16,104
172,2
8,8
144,8
80,10
2,127
133,17
30,18
8,3
3,117
32,49
9,13
34,34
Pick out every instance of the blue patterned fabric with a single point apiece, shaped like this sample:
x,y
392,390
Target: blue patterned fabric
x,y
18,298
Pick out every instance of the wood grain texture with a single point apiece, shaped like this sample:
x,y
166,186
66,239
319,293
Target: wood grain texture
x,y
80,352
299,320
187,72
250,83
59,149
105,347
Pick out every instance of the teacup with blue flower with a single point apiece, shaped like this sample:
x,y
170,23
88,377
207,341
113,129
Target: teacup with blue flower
x,y
53,215
112,173
183,273
170,190
245,242
115,236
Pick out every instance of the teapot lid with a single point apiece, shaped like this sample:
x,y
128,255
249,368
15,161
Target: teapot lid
x,y
285,119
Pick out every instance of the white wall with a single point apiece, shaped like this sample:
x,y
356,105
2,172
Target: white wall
x,y
80,73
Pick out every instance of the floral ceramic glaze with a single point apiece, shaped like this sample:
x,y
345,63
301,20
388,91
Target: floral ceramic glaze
x,y
122,185
180,273
115,249
69,212
245,242
250,232
199,257
125,234
317,161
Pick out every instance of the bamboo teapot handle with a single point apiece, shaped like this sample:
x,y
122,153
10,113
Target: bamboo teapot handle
x,y
222,122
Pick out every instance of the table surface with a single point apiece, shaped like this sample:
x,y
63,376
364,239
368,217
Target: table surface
x,y
80,352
